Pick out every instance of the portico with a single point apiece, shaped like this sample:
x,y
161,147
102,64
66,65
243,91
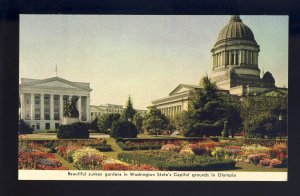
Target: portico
x,y
42,101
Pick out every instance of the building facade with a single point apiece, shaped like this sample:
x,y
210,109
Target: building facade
x,y
97,111
235,70
42,101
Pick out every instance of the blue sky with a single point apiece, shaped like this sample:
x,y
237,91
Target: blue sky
x,y
144,56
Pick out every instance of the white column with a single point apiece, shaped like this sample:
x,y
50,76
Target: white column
x,y
224,61
61,107
32,106
51,107
22,109
79,107
243,56
42,106
87,108
230,60
234,57
246,57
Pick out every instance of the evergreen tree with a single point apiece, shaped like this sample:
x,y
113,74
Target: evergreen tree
x,y
129,111
206,112
155,120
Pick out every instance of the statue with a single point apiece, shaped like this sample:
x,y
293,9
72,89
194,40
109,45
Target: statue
x,y
70,109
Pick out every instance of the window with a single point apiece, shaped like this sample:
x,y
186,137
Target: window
x,y
27,98
56,125
47,114
37,113
47,125
56,114
37,99
46,100
37,125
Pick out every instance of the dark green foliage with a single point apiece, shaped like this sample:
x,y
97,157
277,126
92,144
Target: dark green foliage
x,y
128,112
138,121
24,128
77,130
179,162
207,112
123,129
260,115
138,147
106,121
102,147
94,125
155,120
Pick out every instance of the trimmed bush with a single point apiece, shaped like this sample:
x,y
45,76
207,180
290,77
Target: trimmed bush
x,y
102,147
171,161
124,129
77,130
24,128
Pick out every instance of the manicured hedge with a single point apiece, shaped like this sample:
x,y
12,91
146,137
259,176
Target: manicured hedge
x,y
140,142
102,147
210,165
73,131
138,147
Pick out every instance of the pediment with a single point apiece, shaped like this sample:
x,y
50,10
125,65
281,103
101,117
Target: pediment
x,y
57,84
54,83
182,88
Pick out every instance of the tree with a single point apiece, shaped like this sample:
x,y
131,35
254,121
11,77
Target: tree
x,y
94,124
260,115
138,121
123,129
128,111
206,112
106,121
155,120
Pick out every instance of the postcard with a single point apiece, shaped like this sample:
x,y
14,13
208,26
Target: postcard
x,y
153,97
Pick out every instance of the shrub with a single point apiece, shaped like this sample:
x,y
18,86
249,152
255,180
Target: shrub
x,y
24,128
168,160
124,129
73,131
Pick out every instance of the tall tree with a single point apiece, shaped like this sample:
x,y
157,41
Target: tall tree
x,y
129,111
155,120
206,112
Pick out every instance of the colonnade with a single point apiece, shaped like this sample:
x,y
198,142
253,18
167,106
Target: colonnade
x,y
235,57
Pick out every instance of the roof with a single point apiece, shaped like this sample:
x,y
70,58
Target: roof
x,y
31,82
236,29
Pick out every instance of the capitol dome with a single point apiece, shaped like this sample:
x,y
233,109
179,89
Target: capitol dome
x,y
235,56
236,29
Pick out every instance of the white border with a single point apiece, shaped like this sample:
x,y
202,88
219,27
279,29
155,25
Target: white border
x,y
150,175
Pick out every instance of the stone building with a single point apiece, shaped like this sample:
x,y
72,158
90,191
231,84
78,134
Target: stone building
x,y
97,111
42,101
235,69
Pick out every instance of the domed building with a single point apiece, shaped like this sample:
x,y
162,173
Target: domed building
x,y
235,70
235,61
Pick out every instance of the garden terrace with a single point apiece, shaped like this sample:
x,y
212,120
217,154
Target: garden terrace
x,y
154,143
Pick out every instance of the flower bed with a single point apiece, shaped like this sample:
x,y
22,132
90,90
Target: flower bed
x,y
36,159
169,160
